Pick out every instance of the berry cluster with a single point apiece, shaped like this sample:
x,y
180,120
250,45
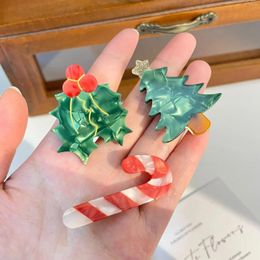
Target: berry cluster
x,y
78,81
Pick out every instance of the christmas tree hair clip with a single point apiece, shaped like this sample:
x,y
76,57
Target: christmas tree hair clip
x,y
86,112
179,104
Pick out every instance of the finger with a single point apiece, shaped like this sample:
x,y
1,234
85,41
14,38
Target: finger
x,y
175,55
13,122
183,162
151,140
198,71
109,67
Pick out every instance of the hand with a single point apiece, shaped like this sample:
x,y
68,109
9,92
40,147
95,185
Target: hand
x,y
34,198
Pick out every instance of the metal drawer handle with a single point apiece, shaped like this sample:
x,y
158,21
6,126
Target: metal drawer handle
x,y
177,28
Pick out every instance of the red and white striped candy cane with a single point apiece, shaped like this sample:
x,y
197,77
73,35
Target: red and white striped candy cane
x,y
103,207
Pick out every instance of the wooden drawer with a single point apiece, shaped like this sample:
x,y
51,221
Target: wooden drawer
x,y
88,24
30,16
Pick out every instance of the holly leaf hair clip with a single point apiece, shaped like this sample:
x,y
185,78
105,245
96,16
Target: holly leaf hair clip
x,y
179,104
86,112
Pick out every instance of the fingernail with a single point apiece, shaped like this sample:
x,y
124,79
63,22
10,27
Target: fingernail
x,y
16,89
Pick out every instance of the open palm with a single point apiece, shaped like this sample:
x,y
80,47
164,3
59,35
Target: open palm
x,y
35,197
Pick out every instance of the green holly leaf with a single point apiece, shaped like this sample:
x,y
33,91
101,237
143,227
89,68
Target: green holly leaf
x,y
87,117
175,101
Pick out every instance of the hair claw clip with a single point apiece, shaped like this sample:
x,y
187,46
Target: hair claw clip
x,y
179,104
87,111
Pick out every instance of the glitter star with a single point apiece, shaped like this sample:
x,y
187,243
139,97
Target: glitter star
x,y
140,67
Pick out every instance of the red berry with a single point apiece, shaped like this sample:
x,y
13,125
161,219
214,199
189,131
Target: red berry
x,y
88,83
74,71
70,88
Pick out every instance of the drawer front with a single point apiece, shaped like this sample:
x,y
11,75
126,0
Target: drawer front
x,y
97,33
32,16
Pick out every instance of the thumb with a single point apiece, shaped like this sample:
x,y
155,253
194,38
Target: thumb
x,y
13,122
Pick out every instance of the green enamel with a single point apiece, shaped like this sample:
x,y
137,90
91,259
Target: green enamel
x,y
175,101
77,136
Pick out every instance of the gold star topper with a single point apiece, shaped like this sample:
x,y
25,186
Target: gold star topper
x,y
140,67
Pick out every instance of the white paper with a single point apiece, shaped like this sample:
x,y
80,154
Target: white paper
x,y
210,224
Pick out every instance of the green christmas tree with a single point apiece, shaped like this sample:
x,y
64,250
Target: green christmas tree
x,y
175,101
86,116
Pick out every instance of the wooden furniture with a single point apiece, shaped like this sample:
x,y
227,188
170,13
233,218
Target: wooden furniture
x,y
30,27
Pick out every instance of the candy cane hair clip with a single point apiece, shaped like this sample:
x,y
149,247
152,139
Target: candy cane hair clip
x,y
104,207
